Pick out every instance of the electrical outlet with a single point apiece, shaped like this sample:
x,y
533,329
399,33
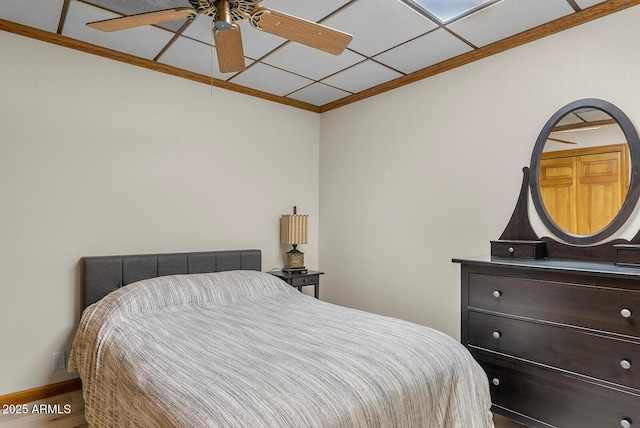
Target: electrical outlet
x,y
59,360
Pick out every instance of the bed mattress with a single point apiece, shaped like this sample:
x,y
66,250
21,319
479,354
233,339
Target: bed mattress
x,y
244,349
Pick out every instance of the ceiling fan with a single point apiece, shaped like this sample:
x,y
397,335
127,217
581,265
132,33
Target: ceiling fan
x,y
226,32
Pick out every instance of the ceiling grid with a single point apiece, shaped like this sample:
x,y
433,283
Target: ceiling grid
x,y
393,40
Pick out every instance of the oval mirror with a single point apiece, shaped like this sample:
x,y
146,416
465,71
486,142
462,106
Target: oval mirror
x,y
583,171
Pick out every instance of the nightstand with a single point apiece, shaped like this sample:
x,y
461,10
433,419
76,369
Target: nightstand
x,y
299,280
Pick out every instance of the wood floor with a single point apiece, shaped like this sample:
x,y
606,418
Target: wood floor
x,y
502,422
61,411
67,411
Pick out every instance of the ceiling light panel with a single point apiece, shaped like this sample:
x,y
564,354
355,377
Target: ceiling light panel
x,y
43,15
149,40
318,94
310,62
270,79
424,51
507,18
447,10
362,76
378,25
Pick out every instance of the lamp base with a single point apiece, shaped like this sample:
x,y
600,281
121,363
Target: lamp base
x,y
295,270
294,261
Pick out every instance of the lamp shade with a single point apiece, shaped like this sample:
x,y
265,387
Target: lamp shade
x,y
294,229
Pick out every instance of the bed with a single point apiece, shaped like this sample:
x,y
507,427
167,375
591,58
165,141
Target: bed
x,y
207,340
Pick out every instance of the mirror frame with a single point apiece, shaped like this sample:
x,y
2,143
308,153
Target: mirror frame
x,y
631,199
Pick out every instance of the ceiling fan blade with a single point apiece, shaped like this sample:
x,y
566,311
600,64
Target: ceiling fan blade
x,y
302,31
141,19
229,49
561,141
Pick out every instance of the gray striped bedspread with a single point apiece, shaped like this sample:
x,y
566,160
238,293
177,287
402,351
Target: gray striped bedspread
x,y
244,349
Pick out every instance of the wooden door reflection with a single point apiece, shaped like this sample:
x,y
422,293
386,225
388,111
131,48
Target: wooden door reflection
x,y
583,189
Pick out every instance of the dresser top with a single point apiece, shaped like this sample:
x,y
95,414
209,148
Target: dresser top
x,y
551,264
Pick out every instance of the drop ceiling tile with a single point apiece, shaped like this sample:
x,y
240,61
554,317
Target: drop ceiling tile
x,y
310,62
424,51
270,79
378,25
507,18
318,94
200,29
588,3
363,76
259,43
256,43
594,115
569,120
389,31
309,10
128,7
192,55
43,15
144,42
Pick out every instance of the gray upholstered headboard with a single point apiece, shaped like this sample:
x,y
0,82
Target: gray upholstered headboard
x,y
104,274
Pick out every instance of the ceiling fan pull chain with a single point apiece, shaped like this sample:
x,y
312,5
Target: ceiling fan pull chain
x,y
213,24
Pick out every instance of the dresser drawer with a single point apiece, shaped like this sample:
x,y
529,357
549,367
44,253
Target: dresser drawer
x,y
518,249
602,357
305,280
595,307
555,398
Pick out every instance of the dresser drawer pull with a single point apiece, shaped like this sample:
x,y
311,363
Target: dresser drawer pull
x,y
496,382
497,334
497,293
625,364
625,423
511,250
626,313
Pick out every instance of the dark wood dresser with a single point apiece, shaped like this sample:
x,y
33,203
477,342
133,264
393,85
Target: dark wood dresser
x,y
553,314
559,340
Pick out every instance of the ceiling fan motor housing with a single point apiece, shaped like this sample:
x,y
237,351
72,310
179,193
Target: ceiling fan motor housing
x,y
239,9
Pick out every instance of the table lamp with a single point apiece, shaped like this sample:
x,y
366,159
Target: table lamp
x,y
293,231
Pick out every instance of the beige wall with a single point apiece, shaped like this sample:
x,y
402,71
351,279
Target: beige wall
x,y
98,157
415,177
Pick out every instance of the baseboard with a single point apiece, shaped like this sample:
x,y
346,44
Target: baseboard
x,y
41,392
